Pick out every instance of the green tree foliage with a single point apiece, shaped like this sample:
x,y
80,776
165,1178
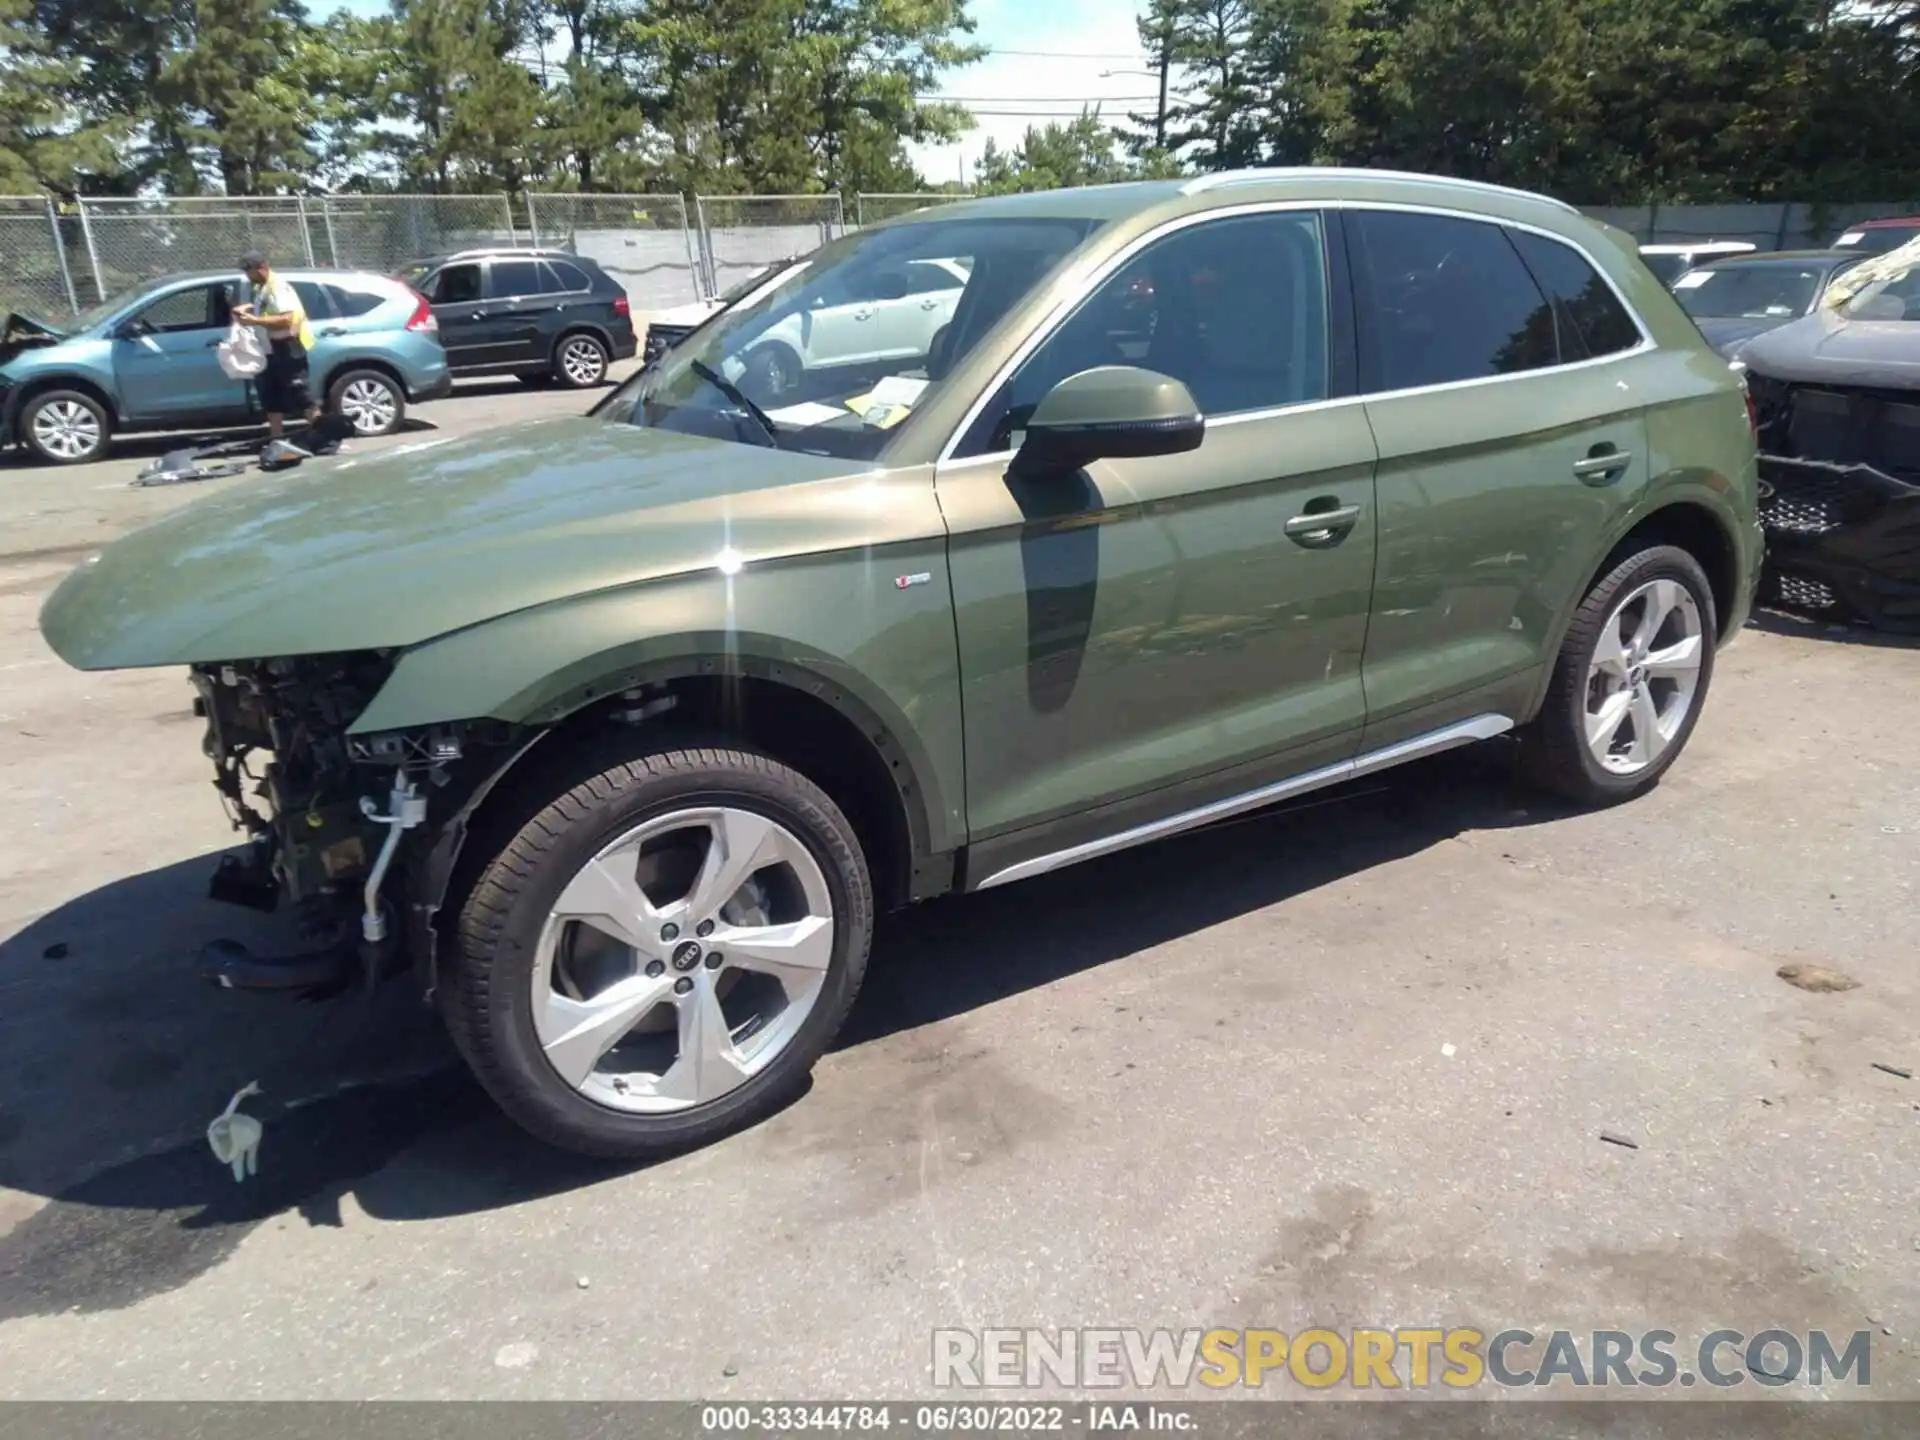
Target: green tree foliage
x,y
1084,151
46,142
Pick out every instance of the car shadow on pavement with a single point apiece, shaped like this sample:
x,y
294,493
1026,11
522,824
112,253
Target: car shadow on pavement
x,y
114,1056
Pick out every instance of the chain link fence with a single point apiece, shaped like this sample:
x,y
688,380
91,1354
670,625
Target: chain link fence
x,y
130,242
642,241
33,262
384,232
741,234
872,209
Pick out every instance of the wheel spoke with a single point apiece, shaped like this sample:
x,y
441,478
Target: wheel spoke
x,y
1603,724
606,894
708,1065
1661,598
740,844
797,952
1610,655
1648,742
576,1033
1679,661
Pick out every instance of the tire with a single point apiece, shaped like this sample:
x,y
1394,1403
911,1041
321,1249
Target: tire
x,y
529,993
66,427
772,370
372,402
534,378
580,360
1592,674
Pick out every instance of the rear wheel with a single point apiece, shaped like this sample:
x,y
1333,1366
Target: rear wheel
x,y
371,402
66,427
1630,679
660,955
580,362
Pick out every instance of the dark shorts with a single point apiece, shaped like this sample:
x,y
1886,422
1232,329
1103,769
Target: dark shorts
x,y
283,384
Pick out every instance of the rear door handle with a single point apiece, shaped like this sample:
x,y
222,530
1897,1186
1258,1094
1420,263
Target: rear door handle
x,y
1320,528
1602,467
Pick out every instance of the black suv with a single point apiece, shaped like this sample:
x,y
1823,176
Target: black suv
x,y
531,313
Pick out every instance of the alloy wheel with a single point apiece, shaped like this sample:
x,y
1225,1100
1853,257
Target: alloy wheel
x,y
67,429
583,361
682,959
1643,676
369,405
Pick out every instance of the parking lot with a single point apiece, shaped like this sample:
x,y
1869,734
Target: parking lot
x,y
1346,1065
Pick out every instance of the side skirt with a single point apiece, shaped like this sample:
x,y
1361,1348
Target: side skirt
x,y
1464,732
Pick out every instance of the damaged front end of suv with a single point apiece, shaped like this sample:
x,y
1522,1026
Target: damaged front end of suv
x,y
356,832
1837,402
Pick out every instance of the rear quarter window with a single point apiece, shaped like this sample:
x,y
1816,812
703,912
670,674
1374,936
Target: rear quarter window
x,y
566,276
1592,320
350,303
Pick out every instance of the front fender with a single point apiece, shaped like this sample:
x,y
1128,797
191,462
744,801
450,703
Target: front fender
x,y
841,628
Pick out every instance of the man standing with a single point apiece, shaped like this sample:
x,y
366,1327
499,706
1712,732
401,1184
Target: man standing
x,y
275,307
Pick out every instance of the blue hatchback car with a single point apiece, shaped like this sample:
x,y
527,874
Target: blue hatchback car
x,y
147,361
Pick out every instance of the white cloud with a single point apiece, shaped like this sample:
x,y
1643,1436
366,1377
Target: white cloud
x,y
1081,38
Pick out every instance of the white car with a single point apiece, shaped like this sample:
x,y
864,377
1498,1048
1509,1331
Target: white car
x,y
901,320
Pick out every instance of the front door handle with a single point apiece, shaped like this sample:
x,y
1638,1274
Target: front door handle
x,y
1608,465
1318,529
331,332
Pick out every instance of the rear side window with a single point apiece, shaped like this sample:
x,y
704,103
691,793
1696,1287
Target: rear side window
x,y
1444,300
508,278
349,303
566,276
1588,308
313,299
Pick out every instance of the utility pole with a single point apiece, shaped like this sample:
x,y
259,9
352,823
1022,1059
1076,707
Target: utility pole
x,y
1166,62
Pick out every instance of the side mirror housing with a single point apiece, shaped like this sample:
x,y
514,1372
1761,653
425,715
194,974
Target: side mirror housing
x,y
1111,412
131,329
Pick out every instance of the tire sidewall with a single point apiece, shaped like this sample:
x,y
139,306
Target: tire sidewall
x,y
557,1107
1658,562
48,397
336,393
784,357
559,363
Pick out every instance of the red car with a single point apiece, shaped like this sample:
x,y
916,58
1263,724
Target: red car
x,y
1877,237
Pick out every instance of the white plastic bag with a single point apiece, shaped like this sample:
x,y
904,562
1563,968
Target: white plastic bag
x,y
242,354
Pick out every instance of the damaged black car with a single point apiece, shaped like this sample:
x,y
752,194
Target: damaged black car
x,y
1837,402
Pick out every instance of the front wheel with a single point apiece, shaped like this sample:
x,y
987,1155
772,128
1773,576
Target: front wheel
x,y
1630,679
66,427
659,956
370,402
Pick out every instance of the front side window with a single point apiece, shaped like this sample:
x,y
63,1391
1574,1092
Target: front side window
x,y
1234,309
815,363
1592,320
457,285
1444,300
182,310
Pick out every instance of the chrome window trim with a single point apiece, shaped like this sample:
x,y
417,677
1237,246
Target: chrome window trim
x,y
1060,313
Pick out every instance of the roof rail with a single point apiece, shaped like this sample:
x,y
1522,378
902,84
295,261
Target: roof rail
x,y
1220,179
508,248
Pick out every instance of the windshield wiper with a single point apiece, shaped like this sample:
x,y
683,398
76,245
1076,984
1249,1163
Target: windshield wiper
x,y
733,392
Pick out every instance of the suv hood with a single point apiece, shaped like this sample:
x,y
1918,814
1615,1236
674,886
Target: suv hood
x,y
24,332
397,548
1826,348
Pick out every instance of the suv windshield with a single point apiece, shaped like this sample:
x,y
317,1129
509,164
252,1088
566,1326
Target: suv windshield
x,y
1750,292
1894,297
839,352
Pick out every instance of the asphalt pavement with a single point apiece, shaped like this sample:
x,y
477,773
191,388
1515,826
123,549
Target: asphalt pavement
x,y
1348,1065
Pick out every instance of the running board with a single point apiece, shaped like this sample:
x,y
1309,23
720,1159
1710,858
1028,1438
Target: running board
x,y
1465,732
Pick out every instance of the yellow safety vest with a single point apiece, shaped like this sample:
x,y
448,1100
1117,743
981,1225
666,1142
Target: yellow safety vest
x,y
276,299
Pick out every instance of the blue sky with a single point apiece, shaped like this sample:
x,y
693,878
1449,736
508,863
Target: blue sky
x,y
1049,56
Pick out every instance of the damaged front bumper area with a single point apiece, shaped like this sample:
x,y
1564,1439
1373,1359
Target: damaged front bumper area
x,y
1840,501
338,826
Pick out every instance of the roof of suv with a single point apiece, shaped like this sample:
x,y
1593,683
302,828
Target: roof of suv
x,y
511,252
1305,182
1903,221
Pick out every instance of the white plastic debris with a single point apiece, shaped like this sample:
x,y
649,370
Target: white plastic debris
x,y
1448,1050
235,1135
